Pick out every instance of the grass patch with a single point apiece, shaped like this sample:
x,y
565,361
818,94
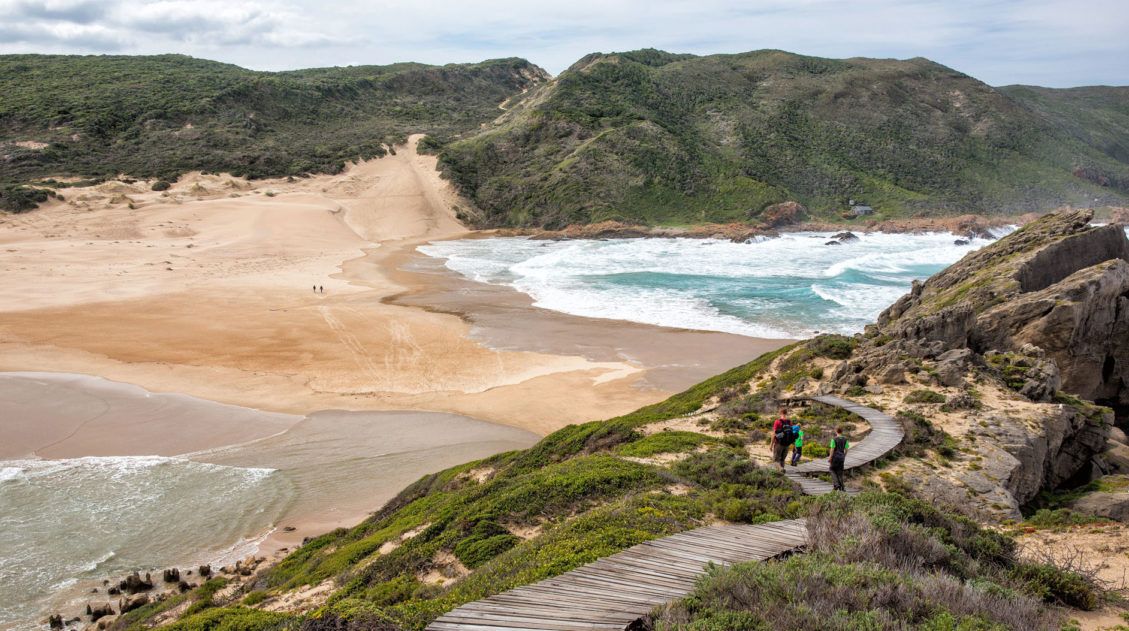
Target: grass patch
x,y
665,442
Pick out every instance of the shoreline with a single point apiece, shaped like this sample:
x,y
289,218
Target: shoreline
x,y
361,460
967,225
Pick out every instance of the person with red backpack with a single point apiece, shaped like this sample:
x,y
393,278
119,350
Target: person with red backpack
x,y
782,438
838,458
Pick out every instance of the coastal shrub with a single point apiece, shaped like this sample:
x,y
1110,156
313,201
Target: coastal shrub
x,y
390,592
255,597
665,442
832,346
19,199
921,435
730,424
736,489
818,591
1057,585
474,552
1060,518
876,561
234,619
924,395
161,185
486,540
202,595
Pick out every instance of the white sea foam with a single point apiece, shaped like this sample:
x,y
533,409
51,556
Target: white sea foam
x,y
787,286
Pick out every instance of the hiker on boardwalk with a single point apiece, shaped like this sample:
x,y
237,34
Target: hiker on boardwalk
x,y
798,444
838,458
781,438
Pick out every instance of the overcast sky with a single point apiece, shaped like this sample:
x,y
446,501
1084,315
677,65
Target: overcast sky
x,y
1047,42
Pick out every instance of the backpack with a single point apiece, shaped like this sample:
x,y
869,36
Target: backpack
x,y
785,436
839,455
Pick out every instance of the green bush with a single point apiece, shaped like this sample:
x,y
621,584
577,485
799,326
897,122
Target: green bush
x,y
924,396
1056,585
475,552
19,199
833,346
161,185
665,442
232,619
1060,518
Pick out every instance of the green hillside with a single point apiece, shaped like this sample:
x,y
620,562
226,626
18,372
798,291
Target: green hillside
x,y
590,490
160,116
651,137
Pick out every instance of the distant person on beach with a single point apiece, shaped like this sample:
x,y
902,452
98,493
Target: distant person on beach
x,y
315,289
798,444
838,458
321,289
781,438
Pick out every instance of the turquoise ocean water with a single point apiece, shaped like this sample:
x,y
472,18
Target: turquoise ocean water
x,y
783,287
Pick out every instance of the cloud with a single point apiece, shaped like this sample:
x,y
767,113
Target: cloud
x,y
73,11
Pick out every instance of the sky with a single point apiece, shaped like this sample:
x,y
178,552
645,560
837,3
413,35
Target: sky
x,y
1057,43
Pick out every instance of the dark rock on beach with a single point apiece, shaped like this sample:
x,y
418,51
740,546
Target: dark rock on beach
x,y
129,603
100,610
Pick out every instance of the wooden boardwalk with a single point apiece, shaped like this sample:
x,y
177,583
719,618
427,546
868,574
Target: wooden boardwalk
x,y
613,592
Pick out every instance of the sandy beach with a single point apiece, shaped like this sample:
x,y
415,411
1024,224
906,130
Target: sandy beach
x,y
206,290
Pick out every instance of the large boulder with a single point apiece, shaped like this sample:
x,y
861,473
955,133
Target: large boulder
x,y
1111,499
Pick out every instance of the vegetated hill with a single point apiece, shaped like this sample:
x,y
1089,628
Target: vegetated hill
x,y
985,430
159,116
1095,115
651,137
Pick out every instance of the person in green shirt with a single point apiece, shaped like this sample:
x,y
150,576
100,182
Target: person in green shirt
x,y
838,458
798,446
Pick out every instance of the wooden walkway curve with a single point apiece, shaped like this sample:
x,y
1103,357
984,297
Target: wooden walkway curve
x,y
611,593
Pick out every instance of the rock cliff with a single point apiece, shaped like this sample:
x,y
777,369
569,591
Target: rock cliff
x,y
1011,343
1058,284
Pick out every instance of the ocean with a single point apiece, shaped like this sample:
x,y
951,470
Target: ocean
x,y
791,286
68,522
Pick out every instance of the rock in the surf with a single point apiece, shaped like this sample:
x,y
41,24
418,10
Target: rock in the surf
x,y
134,583
171,575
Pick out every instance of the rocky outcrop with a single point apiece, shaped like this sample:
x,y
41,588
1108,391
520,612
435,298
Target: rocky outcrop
x,y
1041,319
783,214
1058,284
